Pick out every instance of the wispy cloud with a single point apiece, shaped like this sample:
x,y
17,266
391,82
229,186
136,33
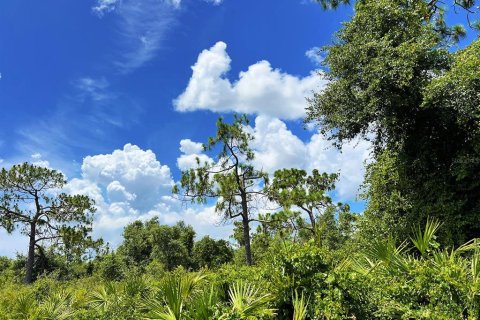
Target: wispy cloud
x,y
95,88
104,6
215,2
142,27
85,119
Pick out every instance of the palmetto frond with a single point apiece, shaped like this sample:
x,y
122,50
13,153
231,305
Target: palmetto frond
x,y
300,306
425,240
57,307
248,301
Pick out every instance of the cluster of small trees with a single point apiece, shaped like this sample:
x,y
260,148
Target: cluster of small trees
x,y
242,191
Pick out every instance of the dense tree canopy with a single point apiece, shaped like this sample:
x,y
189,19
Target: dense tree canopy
x,y
147,241
211,253
397,84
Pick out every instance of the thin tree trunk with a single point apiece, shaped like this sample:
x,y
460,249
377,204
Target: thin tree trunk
x,y
312,222
246,239
31,254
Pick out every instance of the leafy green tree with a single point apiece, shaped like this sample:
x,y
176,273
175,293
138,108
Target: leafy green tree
x,y
232,180
137,244
173,246
212,253
294,189
30,200
170,245
111,267
389,70
435,13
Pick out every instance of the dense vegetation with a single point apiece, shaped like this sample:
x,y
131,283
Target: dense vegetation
x,y
295,253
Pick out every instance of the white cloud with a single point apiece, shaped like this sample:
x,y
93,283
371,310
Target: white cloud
x,y
192,155
350,163
95,88
131,184
142,26
276,147
104,6
215,2
259,90
38,161
137,172
187,146
188,161
315,55
117,192
88,188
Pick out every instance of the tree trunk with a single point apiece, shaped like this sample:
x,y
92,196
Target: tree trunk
x,y
246,239
31,254
312,222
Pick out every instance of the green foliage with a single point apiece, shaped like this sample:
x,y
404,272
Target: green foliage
x,y
211,253
248,302
111,267
423,241
171,246
30,200
232,179
395,82
299,281
439,284
300,305
294,189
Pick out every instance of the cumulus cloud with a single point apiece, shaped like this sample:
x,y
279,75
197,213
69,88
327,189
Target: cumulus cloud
x,y
132,174
349,162
187,146
276,147
260,89
192,155
117,192
316,153
131,184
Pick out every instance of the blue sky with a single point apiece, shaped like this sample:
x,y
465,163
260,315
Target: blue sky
x,y
104,91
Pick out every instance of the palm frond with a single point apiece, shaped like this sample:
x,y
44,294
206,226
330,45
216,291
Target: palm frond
x,y
57,307
247,300
204,304
425,240
300,306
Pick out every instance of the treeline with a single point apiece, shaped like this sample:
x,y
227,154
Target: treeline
x,y
146,247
